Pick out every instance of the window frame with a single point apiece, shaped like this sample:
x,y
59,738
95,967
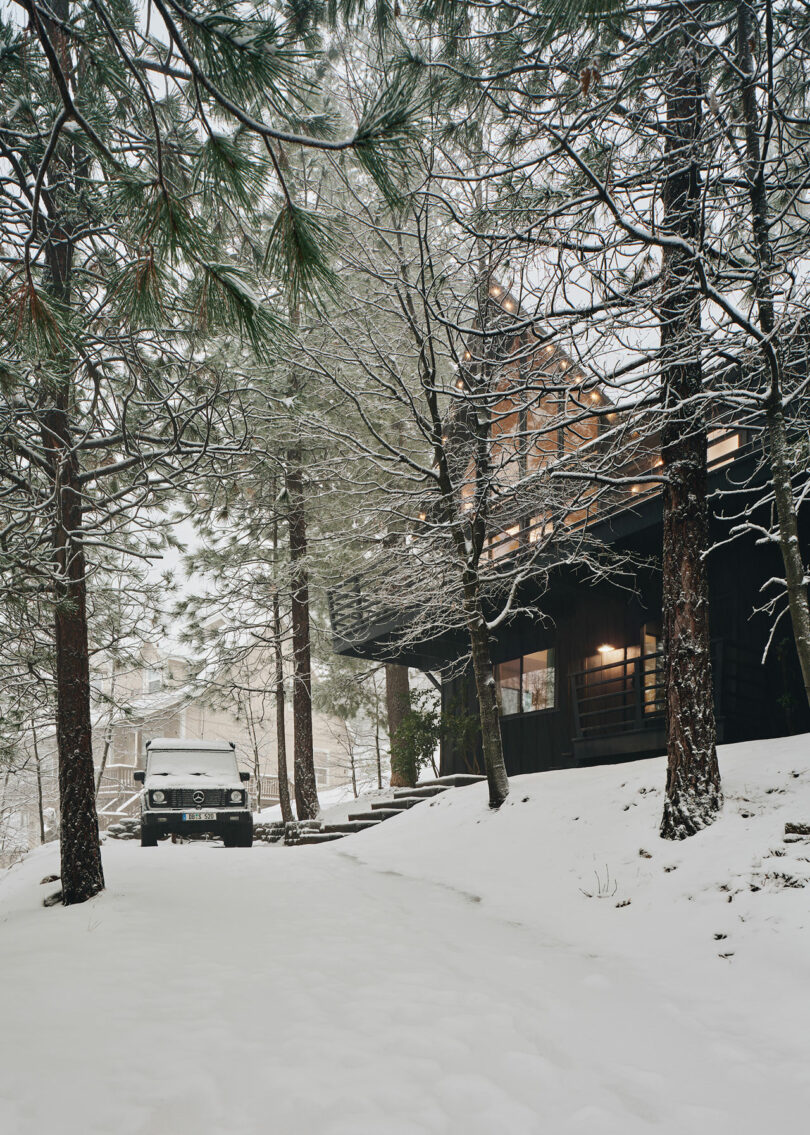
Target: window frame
x,y
521,712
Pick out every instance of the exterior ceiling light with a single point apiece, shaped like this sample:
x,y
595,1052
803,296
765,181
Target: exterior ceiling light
x,y
495,290
606,648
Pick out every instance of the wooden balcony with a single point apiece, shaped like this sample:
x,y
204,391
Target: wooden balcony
x,y
366,625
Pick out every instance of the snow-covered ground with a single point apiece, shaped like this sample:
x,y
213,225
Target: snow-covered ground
x,y
553,968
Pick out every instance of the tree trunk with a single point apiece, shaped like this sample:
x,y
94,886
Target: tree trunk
x,y
104,755
795,576
378,751
281,733
38,767
82,875
491,743
693,795
306,790
397,704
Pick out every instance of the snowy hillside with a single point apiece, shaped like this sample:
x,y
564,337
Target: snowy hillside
x,y
554,967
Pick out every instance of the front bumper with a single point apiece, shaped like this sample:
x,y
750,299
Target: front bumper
x,y
171,822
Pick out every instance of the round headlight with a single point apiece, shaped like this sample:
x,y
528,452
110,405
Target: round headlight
x,y
158,797
236,797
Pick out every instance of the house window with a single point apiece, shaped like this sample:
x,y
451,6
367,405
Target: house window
x,y
721,447
527,684
152,680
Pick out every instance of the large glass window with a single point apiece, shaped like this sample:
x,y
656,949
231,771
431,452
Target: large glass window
x,y
526,684
507,681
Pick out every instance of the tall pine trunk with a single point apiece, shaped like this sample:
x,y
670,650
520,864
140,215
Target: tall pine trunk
x,y
281,732
778,441
693,795
306,790
397,704
82,875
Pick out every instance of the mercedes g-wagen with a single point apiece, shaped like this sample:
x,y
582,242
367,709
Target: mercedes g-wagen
x,y
194,788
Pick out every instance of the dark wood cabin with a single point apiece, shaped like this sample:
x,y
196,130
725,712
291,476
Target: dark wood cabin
x,y
582,684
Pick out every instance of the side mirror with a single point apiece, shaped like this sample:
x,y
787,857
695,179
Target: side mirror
x,y
244,777
139,776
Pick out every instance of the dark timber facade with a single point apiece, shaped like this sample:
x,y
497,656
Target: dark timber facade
x,y
598,646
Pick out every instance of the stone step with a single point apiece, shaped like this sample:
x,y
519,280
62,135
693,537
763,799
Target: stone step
x,y
316,837
454,780
349,826
268,833
423,791
380,814
401,804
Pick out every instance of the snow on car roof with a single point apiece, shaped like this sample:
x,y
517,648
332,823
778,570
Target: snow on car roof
x,y
189,744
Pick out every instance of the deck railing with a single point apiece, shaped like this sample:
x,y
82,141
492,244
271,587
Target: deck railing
x,y
629,695
618,697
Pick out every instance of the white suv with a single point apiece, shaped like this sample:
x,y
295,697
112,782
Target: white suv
x,y
194,787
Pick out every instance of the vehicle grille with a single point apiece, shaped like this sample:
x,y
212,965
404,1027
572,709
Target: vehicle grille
x,y
184,798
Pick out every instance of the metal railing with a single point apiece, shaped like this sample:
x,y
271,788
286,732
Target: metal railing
x,y
618,697
629,695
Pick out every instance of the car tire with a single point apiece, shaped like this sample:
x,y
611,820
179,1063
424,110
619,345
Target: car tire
x,y
230,840
148,839
247,839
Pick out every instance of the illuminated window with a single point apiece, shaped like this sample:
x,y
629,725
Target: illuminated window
x,y
721,445
527,684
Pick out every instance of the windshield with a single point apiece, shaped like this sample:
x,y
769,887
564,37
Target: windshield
x,y
190,762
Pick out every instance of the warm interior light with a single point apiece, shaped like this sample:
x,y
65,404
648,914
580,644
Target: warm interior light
x,y
459,384
606,648
422,516
594,396
508,305
549,350
495,290
467,355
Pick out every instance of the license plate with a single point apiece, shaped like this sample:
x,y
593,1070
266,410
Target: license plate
x,y
199,815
